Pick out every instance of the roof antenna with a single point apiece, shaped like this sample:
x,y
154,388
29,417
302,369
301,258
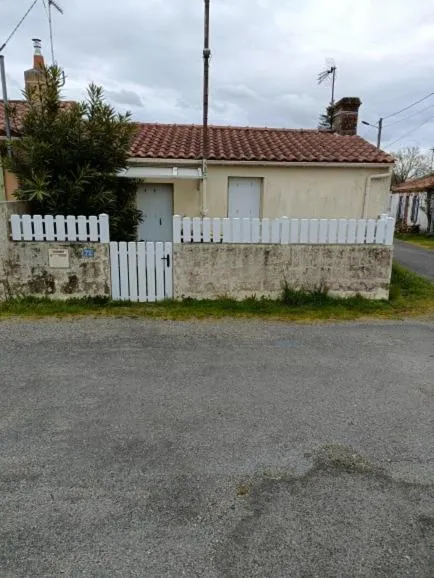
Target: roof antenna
x,y
325,74
52,3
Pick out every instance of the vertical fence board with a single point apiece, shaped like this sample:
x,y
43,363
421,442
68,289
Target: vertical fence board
x,y
82,228
294,231
390,231
313,231
160,263
71,228
104,228
123,271
197,230
206,230
304,230
93,228
236,230
60,228
49,227
227,231
285,231
176,229
265,231
38,227
216,230
352,230
17,234
141,270
186,230
132,271
370,231
333,231
114,270
342,231
246,230
150,270
323,230
380,234
275,231
27,228
256,230
168,271
361,231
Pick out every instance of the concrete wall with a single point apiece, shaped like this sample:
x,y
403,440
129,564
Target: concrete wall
x,y
25,266
208,271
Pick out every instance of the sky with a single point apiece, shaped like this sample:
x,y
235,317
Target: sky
x,y
266,55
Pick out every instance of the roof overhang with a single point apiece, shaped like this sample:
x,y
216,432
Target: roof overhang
x,y
161,172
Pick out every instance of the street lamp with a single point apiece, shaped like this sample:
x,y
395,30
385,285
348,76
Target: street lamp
x,y
379,128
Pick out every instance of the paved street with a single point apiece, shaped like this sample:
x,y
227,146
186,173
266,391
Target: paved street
x,y
216,449
415,258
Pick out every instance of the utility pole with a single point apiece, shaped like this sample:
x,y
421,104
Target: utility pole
x,y
205,128
380,131
6,105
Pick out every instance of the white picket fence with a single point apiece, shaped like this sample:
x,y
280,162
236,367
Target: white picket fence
x,y
60,228
141,271
284,230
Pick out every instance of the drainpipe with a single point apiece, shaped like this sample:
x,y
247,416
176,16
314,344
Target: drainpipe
x,y
367,194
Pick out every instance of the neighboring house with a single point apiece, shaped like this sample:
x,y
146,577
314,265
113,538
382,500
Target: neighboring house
x,y
408,202
257,172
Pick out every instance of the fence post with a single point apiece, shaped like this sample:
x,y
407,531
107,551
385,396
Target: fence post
x,y
390,230
104,228
176,229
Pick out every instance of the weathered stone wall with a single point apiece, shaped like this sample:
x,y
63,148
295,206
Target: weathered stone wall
x,y
208,271
25,267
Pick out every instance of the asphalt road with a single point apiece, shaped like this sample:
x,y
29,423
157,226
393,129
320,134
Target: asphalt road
x,y
415,258
216,449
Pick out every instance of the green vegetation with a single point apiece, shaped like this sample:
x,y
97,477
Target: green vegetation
x,y
425,241
409,295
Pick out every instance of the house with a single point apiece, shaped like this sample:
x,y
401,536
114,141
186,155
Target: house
x,y
409,202
255,172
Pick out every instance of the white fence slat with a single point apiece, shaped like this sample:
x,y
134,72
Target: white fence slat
x,y
93,228
352,229
323,230
361,231
216,230
333,231
71,227
227,231
256,230
168,271
304,230
380,234
150,270
370,231
82,228
313,231
132,271
27,228
49,227
197,230
177,229
390,231
275,231
285,230
294,231
236,230
206,227
160,263
16,228
123,271
342,231
265,231
186,230
141,270
246,230
114,269
104,228
38,227
60,228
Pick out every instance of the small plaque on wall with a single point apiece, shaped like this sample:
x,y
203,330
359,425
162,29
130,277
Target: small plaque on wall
x,y
58,258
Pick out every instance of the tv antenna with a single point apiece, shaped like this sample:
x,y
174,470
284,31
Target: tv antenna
x,y
59,9
330,72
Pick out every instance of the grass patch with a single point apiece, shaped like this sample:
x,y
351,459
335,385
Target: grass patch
x,y
421,240
410,295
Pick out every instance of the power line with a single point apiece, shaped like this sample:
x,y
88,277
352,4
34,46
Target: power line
x,y
409,106
409,116
411,131
18,25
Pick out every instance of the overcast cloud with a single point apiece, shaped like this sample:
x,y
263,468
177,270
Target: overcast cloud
x,y
265,58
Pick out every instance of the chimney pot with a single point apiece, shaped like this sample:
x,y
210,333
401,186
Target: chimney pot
x,y
346,115
34,78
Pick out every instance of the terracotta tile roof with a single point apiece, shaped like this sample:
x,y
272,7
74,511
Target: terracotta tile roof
x,y
227,143
19,108
415,185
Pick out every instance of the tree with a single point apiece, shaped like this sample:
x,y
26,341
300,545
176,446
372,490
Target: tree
x,y
410,163
70,155
326,119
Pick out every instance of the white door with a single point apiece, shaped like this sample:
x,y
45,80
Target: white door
x,y
244,197
155,201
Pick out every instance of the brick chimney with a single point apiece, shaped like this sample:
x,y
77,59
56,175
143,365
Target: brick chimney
x,y
34,77
346,115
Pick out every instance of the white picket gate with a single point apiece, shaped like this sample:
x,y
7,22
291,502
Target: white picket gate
x,y
141,271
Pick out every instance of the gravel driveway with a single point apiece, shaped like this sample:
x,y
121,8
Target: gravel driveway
x,y
216,449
